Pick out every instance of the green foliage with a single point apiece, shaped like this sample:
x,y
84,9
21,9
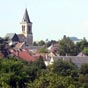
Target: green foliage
x,y
83,81
85,51
35,44
81,45
40,63
66,47
49,43
43,50
41,43
4,46
15,73
51,80
64,68
84,69
72,86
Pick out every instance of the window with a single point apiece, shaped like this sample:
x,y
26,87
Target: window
x,y
23,28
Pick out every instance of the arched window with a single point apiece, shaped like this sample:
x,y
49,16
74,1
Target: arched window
x,y
23,28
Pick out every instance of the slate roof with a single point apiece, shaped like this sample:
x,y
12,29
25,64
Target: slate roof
x,y
78,60
26,17
10,35
21,37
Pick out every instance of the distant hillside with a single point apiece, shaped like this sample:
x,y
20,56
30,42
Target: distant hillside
x,y
74,39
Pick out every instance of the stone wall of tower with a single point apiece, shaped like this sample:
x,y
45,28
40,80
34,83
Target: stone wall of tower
x,y
27,33
29,40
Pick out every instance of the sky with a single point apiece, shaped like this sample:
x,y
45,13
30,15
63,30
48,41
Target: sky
x,y
51,18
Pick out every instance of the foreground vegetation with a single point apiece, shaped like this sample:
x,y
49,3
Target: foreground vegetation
x,y
15,73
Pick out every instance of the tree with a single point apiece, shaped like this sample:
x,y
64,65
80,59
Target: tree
x,y
13,73
84,69
83,81
66,47
4,46
41,43
49,43
81,45
51,80
64,68
43,50
35,43
36,67
72,86
40,63
85,51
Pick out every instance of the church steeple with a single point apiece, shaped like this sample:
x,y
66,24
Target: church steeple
x,y
26,28
26,17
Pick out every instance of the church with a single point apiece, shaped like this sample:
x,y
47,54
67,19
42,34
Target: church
x,y
26,35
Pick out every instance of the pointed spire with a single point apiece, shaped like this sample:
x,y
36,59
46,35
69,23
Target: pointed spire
x,y
26,17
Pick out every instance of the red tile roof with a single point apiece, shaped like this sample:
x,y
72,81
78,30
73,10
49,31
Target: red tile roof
x,y
24,55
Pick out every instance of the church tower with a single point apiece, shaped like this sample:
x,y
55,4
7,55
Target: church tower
x,y
26,28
